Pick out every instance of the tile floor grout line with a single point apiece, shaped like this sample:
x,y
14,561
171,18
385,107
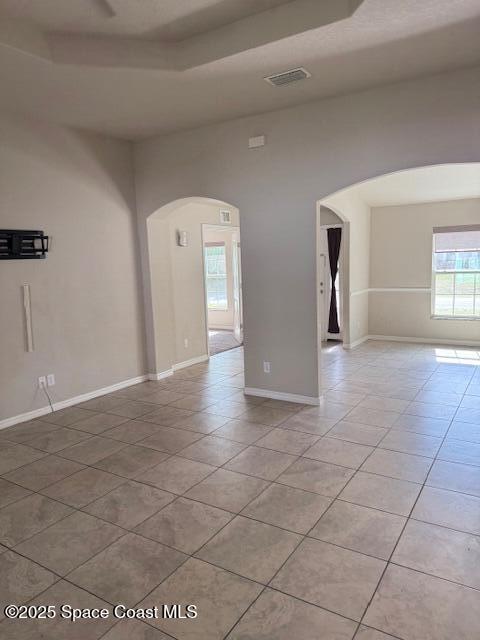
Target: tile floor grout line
x,y
194,556
218,531
398,539
85,466
135,479
408,519
113,604
268,585
69,475
178,454
394,547
340,492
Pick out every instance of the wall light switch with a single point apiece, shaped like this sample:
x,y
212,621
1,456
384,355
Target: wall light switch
x,y
182,238
266,367
51,380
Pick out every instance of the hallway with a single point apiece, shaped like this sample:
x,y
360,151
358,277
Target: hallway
x,y
220,340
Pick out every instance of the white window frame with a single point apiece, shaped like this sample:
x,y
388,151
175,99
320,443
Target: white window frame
x,y
208,245
453,229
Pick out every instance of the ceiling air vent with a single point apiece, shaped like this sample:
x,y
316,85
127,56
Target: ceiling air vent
x,y
286,77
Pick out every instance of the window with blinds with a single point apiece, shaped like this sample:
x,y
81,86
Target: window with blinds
x,y
456,272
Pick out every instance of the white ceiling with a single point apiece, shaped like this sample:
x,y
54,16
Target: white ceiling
x,y
426,184
218,74
159,34
170,20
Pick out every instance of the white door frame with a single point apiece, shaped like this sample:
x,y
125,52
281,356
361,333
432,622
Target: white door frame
x,y
237,289
204,284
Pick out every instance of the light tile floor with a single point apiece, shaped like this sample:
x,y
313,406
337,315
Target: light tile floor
x,y
359,518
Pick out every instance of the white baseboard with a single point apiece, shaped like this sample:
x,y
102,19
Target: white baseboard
x,y
24,417
160,375
455,343
189,363
357,343
176,367
279,395
446,341
335,337
63,404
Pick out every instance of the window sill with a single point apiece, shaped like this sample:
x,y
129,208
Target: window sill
x,y
217,309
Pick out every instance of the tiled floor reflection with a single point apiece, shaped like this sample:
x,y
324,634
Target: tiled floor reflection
x,y
359,518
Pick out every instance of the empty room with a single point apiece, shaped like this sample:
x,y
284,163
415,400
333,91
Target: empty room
x,y
240,320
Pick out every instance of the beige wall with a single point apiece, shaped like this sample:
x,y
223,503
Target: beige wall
x,y
88,327
401,257
178,281
161,323
223,319
86,308
312,151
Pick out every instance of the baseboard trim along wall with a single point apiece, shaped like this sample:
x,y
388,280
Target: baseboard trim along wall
x,y
356,343
221,327
249,391
63,404
160,375
442,341
278,395
189,363
446,341
176,367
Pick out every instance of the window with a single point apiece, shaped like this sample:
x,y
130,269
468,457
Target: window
x,y
456,272
216,276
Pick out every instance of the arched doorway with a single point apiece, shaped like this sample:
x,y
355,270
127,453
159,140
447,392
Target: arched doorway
x,y
176,296
391,221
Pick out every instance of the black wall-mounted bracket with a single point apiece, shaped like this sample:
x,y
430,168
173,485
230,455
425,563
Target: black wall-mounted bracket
x,y
22,244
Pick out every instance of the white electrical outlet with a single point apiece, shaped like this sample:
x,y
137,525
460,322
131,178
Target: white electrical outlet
x,y
42,382
51,380
185,343
266,367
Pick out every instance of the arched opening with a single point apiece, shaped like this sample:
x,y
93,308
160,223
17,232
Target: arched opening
x,y
397,286
187,291
364,303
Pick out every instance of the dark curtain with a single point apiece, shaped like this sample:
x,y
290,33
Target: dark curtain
x,y
334,241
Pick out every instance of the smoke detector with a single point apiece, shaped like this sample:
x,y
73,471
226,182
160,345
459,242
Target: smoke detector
x,y
286,77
